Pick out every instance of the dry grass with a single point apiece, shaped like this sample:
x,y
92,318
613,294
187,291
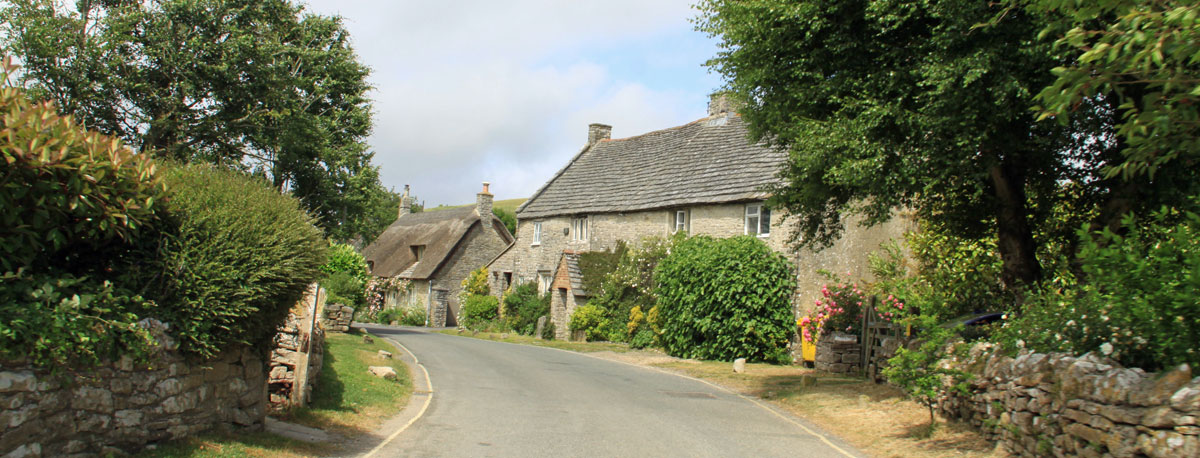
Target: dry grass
x,y
506,204
876,419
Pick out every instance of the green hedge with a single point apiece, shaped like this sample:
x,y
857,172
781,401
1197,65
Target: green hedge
x,y
722,299
238,256
523,306
478,311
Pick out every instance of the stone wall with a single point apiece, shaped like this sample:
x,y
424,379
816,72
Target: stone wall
x,y
839,353
119,408
1059,405
440,309
299,351
337,317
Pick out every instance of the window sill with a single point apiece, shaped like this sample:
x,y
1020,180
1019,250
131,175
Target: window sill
x,y
535,244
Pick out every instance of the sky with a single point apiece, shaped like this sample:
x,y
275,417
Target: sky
x,y
471,91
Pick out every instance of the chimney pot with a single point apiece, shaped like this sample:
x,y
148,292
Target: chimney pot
x,y
597,132
485,187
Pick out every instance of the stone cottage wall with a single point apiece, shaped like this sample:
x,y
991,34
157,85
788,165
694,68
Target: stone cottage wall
x,y
121,407
479,247
1058,405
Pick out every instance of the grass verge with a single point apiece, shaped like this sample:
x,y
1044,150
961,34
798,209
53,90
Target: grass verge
x,y
347,401
875,418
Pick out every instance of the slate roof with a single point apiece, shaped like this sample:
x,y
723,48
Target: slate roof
x,y
708,161
573,272
439,231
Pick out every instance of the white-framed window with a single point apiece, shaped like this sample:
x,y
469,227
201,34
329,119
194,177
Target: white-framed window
x,y
579,227
543,281
537,232
680,221
758,220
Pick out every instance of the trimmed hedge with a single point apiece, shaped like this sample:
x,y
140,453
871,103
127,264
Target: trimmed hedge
x,y
722,299
238,256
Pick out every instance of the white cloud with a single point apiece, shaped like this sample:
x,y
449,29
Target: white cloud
x,y
503,91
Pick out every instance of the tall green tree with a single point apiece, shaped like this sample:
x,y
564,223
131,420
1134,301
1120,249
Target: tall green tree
x,y
254,85
887,104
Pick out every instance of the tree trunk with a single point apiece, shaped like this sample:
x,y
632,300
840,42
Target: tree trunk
x,y
1014,238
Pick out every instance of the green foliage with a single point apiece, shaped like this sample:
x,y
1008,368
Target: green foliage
x,y
637,320
1140,58
642,339
344,258
413,316
66,192
724,299
238,256
548,331
508,217
943,275
622,279
1136,301
343,288
479,311
592,320
477,283
256,85
389,315
523,306
377,291
918,372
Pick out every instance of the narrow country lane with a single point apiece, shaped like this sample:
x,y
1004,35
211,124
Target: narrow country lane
x,y
503,400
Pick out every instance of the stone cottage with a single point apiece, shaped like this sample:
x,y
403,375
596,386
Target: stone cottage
x,y
704,177
435,251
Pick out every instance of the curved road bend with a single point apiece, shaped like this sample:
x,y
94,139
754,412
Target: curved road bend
x,y
503,400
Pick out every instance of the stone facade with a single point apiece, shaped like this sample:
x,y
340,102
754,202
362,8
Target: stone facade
x,y
476,250
1059,405
564,299
121,407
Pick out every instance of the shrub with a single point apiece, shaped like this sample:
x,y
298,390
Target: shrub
x,y
637,320
345,259
919,371
413,316
238,257
479,311
548,331
476,283
68,196
75,208
724,299
622,279
591,319
839,309
1135,303
343,288
644,338
523,306
377,291
387,316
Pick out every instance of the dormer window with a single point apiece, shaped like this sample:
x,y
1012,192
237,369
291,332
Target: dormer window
x,y
418,251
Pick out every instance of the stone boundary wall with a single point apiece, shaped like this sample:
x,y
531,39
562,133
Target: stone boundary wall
x,y
337,317
839,353
121,407
299,352
1058,405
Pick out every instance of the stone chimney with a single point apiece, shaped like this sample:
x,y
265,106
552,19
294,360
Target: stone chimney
x,y
719,103
405,202
483,206
597,132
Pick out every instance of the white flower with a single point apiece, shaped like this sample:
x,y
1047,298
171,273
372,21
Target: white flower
x,y
1071,323
1020,343
1106,348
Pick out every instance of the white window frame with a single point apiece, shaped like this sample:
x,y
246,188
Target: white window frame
x,y
756,212
537,233
579,229
681,221
545,279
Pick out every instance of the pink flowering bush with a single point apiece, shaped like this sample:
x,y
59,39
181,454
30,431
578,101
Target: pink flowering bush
x,y
839,309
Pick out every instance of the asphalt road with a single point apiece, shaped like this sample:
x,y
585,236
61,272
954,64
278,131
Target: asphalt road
x,y
491,399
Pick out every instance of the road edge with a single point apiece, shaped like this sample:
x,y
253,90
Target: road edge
x,y
422,386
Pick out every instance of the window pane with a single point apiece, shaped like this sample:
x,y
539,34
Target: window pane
x,y
752,224
765,221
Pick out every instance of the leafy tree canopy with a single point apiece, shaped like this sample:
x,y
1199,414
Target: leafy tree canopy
x,y
259,86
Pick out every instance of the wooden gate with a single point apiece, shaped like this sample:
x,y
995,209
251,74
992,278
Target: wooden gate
x,y
880,339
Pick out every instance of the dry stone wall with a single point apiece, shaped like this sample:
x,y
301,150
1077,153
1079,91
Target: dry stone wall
x,y
299,351
1058,405
337,317
121,407
839,353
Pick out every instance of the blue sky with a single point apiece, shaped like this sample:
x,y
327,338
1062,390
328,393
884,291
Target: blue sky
x,y
472,91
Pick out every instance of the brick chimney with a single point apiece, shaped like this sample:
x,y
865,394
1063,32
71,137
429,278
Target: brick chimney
x,y
483,206
405,203
597,132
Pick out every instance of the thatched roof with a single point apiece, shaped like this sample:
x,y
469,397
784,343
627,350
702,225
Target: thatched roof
x,y
440,232
705,162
